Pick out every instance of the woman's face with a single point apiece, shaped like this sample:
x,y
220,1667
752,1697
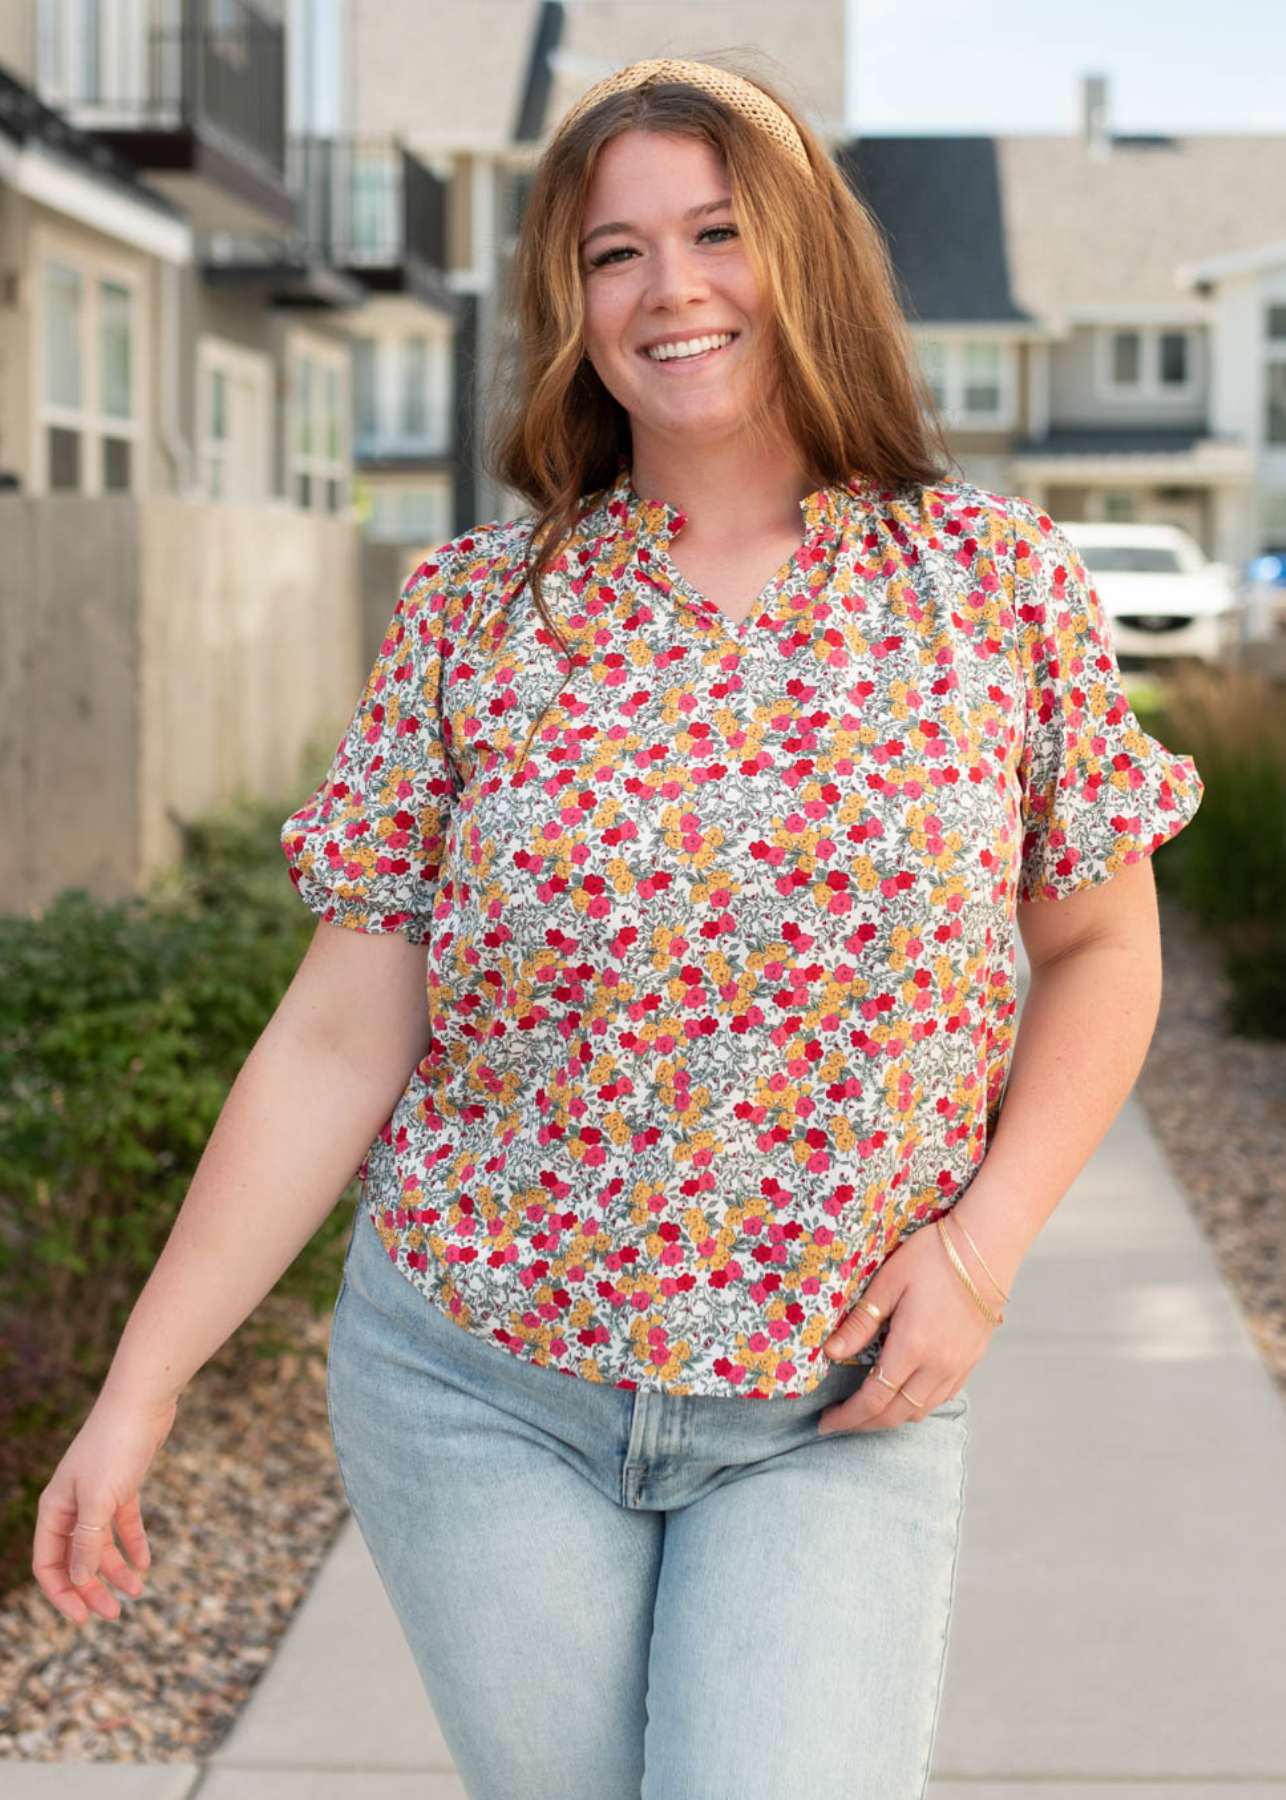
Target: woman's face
x,y
662,264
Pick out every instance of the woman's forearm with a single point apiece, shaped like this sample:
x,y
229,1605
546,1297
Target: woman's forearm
x,y
296,1124
1083,1034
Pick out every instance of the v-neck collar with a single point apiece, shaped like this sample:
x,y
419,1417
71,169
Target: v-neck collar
x,y
620,509
642,530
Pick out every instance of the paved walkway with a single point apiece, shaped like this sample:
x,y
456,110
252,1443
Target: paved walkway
x,y
1121,1601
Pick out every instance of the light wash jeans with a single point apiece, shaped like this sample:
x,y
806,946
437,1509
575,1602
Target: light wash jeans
x,y
614,1594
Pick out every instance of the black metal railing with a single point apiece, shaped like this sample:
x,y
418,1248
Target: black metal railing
x,y
224,65
366,202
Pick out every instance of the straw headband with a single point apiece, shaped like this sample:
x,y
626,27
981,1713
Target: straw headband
x,y
743,96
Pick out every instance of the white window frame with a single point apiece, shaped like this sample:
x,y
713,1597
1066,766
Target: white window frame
x,y
1274,355
438,394
92,424
252,367
1149,386
121,71
323,355
954,412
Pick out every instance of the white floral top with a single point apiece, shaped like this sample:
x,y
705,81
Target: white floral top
x,y
721,972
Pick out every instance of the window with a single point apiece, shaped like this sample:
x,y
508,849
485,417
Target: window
x,y
517,194
89,410
410,515
1120,505
114,358
1275,401
365,387
1275,322
333,427
1151,363
232,420
933,360
64,460
63,308
982,378
403,393
414,381
1137,559
1127,358
216,454
91,53
376,203
970,379
318,437
1174,359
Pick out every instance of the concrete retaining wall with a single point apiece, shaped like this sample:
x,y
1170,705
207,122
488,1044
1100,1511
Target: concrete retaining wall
x,y
159,656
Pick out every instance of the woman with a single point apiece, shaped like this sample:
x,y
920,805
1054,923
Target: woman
x,y
703,801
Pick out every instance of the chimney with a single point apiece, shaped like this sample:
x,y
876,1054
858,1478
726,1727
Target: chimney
x,y
1095,134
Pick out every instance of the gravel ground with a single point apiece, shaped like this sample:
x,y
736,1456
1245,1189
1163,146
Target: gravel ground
x,y
241,1505
244,1500
1217,1104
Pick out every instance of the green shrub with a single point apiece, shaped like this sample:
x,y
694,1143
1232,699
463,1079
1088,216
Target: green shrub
x,y
1228,866
122,1028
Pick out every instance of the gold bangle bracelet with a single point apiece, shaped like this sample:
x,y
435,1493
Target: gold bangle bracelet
x,y
991,1317
982,1259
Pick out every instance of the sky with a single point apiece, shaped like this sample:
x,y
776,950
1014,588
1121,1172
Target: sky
x,y
1009,67
963,67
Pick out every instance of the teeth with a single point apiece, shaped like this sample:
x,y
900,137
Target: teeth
x,y
690,347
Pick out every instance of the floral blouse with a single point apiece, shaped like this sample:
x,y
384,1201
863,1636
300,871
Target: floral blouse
x,y
720,966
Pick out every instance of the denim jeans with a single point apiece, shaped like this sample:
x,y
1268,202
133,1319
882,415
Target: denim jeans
x,y
617,1594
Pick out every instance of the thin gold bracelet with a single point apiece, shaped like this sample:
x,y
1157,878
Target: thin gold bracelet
x,y
982,1259
991,1317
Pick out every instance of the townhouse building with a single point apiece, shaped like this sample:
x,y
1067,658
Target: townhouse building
x,y
1100,315
187,597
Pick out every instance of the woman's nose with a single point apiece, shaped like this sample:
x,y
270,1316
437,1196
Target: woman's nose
x,y
675,277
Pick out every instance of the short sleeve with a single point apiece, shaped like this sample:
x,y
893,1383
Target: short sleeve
x,y
365,850
1098,792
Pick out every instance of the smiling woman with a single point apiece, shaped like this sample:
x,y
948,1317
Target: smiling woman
x,y
711,792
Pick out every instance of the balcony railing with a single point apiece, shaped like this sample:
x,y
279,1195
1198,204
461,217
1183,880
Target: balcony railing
x,y
366,203
222,66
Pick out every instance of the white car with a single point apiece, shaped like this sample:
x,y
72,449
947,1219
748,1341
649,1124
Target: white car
x,y
1161,594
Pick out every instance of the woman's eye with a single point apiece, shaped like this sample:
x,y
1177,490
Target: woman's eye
x,y
609,256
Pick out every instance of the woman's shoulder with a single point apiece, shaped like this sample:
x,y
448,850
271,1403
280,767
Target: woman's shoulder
x,y
955,507
1015,509
477,552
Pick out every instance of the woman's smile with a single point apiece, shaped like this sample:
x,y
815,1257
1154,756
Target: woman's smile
x,y
693,351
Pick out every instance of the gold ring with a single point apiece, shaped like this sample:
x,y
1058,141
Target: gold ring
x,y
870,1307
80,1527
887,1383
914,1402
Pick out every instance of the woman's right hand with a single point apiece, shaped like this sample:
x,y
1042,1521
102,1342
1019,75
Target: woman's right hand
x,y
97,1483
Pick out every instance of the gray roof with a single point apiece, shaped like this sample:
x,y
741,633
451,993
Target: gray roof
x,y
1003,228
1110,441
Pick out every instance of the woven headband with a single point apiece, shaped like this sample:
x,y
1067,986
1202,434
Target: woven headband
x,y
743,96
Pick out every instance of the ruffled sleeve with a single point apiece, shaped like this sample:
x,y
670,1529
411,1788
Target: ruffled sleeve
x,y
366,849
1098,792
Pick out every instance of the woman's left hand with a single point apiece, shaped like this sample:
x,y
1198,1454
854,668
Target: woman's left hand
x,y
936,1336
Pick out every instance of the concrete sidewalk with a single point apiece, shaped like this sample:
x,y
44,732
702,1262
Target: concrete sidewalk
x,y
1121,1600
